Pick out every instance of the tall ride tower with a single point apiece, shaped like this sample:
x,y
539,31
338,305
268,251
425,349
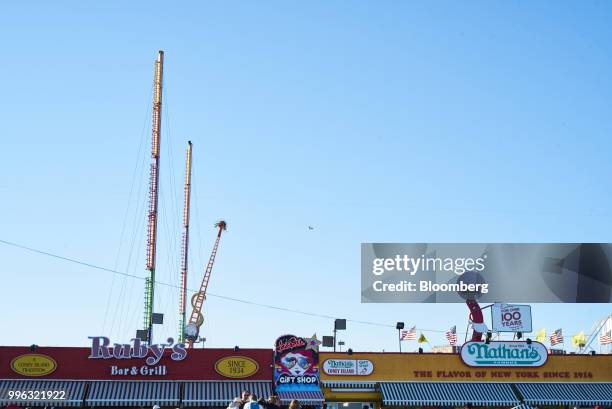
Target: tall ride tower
x,y
185,244
153,196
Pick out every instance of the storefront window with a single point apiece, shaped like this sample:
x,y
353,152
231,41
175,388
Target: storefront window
x,y
350,405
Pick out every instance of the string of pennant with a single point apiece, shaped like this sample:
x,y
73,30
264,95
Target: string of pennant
x,y
555,338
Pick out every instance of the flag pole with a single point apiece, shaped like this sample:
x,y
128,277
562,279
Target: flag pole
x,y
399,339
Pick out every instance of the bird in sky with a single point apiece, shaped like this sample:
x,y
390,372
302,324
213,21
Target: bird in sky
x,y
310,228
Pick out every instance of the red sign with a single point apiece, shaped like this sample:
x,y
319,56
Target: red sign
x,y
75,363
289,342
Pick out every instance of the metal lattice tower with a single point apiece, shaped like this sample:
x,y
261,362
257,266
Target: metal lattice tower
x,y
185,244
153,196
196,319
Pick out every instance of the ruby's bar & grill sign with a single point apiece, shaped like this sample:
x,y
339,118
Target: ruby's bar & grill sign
x,y
101,349
504,353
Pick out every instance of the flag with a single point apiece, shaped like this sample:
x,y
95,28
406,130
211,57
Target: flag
x,y
605,339
556,337
409,335
541,335
579,339
451,335
422,339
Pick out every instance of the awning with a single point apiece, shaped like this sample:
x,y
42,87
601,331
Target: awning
x,y
307,395
221,393
588,394
133,393
42,392
447,394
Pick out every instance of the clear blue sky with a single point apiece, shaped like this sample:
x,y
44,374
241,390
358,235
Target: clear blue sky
x,y
371,121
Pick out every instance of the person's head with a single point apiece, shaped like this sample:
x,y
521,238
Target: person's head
x,y
273,400
294,404
245,395
235,404
253,397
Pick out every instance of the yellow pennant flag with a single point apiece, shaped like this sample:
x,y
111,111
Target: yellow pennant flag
x,y
579,339
422,339
541,335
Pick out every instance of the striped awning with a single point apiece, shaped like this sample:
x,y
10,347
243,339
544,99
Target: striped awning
x,y
588,394
221,393
133,393
309,395
39,392
447,394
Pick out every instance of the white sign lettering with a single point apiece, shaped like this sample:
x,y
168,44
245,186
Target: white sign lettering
x,y
511,318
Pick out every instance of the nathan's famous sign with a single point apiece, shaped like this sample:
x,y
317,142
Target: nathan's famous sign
x,y
526,273
504,353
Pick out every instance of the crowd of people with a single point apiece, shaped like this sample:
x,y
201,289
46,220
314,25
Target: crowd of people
x,y
248,400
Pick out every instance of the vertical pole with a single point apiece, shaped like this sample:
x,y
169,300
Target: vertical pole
x,y
399,339
185,245
334,337
153,196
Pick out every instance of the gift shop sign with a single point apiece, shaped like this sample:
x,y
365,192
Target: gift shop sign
x,y
504,354
151,355
296,361
358,367
511,318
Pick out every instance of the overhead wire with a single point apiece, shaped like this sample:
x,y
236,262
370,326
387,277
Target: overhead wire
x,y
139,164
219,296
124,274
172,230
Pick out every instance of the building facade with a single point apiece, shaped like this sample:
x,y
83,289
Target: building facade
x,y
168,375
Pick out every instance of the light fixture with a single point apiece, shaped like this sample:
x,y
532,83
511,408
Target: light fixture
x,y
236,348
399,325
339,325
488,339
528,341
420,350
350,351
328,341
519,335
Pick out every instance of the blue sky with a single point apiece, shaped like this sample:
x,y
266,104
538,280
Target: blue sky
x,y
392,122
